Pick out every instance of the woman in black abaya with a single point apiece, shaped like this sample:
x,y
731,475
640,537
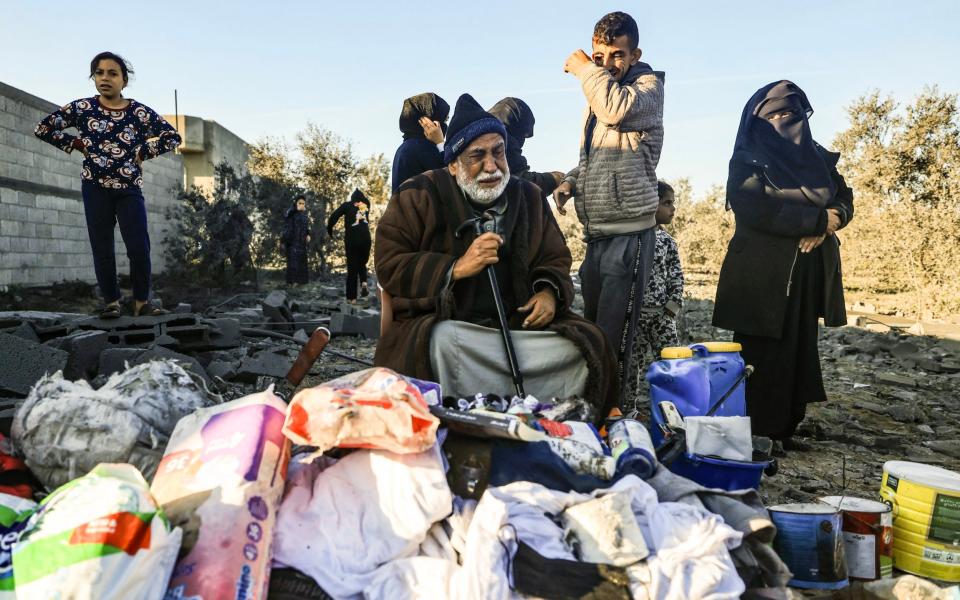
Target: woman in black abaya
x,y
782,270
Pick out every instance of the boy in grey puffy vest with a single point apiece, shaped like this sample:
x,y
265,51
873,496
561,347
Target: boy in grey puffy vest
x,y
615,183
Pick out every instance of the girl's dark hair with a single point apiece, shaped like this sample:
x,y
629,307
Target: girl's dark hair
x,y
125,67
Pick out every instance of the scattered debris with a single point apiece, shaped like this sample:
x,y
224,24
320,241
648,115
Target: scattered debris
x,y
25,362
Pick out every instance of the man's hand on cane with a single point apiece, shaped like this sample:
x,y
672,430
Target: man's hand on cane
x,y
482,252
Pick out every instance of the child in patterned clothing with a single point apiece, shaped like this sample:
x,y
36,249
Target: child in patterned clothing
x,y
115,135
663,297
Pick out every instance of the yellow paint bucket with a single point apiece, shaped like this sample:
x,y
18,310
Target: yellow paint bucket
x,y
926,518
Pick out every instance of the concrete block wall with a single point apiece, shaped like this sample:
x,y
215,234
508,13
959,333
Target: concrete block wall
x,y
43,233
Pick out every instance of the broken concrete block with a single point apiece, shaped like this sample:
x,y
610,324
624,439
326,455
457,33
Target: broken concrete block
x,y
25,362
350,309
188,336
948,447
367,326
276,309
891,379
38,317
182,309
25,330
928,364
222,369
905,413
224,332
330,291
84,348
112,360
871,406
904,350
272,363
276,305
301,336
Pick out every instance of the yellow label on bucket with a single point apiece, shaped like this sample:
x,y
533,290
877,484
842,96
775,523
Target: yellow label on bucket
x,y
926,518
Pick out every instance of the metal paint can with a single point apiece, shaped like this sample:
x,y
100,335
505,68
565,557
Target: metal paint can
x,y
809,540
867,536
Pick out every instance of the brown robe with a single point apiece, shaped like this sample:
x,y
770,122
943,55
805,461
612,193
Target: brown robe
x,y
416,247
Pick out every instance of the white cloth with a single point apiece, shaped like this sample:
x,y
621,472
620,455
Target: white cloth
x,y
339,524
690,547
692,558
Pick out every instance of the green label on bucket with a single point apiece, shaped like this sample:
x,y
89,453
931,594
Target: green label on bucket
x,y
945,522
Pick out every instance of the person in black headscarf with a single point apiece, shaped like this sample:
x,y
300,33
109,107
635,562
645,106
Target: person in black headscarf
x,y
356,242
423,121
296,237
782,268
518,119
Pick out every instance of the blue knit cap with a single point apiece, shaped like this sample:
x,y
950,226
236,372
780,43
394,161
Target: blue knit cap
x,y
469,122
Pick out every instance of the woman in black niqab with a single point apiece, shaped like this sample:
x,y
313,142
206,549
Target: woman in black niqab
x,y
781,273
775,130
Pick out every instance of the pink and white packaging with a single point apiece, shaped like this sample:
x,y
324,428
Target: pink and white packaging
x,y
221,480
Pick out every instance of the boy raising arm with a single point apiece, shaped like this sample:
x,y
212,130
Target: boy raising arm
x,y
615,182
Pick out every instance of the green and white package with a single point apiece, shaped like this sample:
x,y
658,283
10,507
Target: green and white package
x,y
99,537
14,512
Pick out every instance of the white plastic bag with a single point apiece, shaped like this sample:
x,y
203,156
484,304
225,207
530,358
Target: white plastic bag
x,y
726,437
66,428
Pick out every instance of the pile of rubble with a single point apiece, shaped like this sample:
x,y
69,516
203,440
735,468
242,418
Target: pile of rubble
x,y
892,395
230,346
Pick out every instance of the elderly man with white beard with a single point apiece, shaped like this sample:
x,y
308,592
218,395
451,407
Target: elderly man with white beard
x,y
446,327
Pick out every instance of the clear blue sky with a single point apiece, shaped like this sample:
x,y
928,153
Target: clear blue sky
x,y
266,68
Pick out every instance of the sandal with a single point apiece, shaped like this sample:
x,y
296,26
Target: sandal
x,y
149,310
110,311
364,291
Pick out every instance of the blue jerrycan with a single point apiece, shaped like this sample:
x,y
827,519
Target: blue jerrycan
x,y
694,378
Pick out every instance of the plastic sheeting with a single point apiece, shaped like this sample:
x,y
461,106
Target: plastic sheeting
x,y
64,429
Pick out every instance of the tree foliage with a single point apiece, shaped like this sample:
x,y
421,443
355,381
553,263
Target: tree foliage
x,y
702,227
903,162
324,166
210,238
